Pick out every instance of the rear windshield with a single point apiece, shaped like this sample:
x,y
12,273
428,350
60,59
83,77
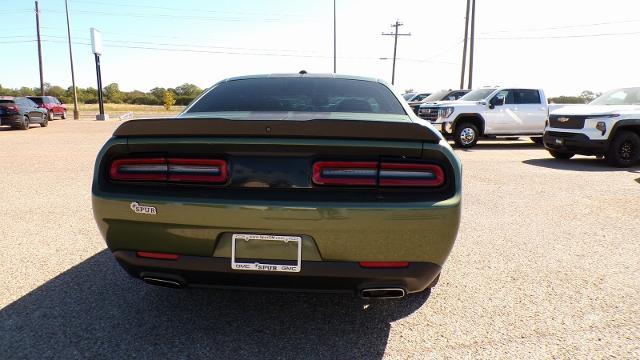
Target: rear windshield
x,y
5,101
477,95
36,100
299,94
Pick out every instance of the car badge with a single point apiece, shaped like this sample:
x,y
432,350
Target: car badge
x,y
143,209
563,119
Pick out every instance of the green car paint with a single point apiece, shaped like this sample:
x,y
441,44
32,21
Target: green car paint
x,y
332,231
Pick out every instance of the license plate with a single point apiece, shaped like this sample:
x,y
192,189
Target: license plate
x,y
559,141
266,265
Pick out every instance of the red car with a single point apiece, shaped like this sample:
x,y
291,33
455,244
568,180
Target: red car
x,y
53,106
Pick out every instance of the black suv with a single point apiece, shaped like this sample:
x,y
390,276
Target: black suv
x,y
20,112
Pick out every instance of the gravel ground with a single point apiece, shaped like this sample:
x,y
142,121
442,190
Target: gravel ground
x,y
546,266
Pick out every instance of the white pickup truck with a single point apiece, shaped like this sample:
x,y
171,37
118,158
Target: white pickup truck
x,y
609,126
490,112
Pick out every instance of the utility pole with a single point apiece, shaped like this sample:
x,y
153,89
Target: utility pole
x,y
39,49
395,47
334,36
76,113
473,27
464,47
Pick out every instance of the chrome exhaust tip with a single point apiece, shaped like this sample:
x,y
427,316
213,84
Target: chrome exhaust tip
x,y
383,293
162,282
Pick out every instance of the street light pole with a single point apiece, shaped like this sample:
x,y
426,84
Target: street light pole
x,y
395,47
76,113
464,47
334,36
39,49
473,27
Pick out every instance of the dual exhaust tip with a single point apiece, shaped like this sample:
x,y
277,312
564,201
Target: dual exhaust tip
x,y
374,293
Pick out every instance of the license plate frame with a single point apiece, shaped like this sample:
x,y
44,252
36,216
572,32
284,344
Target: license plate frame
x,y
266,266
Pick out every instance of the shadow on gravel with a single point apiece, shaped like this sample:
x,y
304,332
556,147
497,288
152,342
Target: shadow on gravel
x,y
94,310
580,164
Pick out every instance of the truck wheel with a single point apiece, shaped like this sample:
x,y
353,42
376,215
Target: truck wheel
x,y
624,149
537,140
561,155
465,135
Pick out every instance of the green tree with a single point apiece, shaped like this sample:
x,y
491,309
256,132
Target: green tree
x,y
168,99
187,89
112,94
158,93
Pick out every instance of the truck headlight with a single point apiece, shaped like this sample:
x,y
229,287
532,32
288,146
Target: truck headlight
x,y
602,126
445,112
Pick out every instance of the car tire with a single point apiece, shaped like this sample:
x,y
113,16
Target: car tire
x,y
50,115
624,149
64,114
45,122
561,155
465,135
24,124
537,140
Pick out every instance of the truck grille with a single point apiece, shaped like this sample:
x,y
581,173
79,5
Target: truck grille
x,y
430,113
566,122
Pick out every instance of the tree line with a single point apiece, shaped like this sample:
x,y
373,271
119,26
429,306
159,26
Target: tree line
x,y
181,95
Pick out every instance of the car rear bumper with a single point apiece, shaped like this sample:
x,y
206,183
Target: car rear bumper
x,y
573,143
10,119
326,276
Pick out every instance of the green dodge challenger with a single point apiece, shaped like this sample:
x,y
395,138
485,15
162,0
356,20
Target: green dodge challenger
x,y
289,182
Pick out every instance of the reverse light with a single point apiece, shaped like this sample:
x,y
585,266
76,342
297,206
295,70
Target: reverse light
x,y
144,169
402,174
345,173
384,264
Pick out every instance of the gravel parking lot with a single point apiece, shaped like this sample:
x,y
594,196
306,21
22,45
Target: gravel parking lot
x,y
546,266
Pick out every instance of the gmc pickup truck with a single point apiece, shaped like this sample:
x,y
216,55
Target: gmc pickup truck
x,y
490,112
607,127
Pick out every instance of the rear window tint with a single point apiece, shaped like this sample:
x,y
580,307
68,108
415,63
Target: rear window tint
x,y
36,100
299,94
5,101
526,96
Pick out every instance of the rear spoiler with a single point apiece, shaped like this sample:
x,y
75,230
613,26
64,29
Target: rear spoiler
x,y
317,128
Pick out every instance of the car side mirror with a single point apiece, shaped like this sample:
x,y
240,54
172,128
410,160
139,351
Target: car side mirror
x,y
496,101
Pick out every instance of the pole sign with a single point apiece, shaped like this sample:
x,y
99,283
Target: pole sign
x,y
96,41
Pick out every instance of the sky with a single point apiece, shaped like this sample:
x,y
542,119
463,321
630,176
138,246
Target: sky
x,y
561,46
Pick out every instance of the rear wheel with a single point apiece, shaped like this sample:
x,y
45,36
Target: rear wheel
x,y
45,122
624,150
465,135
561,155
50,115
537,140
64,114
22,125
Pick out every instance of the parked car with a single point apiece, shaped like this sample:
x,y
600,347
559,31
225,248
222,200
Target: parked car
x,y
294,181
607,127
53,106
20,112
415,96
490,112
442,95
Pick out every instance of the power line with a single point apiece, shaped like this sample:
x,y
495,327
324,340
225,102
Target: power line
x,y
129,5
560,36
167,16
563,27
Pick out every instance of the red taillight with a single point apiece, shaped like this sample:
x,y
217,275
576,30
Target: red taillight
x,y
197,170
345,173
401,174
211,171
384,174
157,255
13,108
144,169
384,264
